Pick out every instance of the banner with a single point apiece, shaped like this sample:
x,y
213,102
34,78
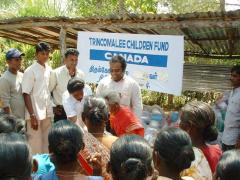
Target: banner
x,y
154,61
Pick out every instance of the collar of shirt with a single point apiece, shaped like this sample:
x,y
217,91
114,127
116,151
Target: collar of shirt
x,y
123,78
66,71
74,100
41,66
236,89
11,74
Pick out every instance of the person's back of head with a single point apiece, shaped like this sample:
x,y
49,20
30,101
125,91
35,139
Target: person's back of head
x,y
228,167
10,123
202,117
95,110
173,149
112,97
75,84
15,157
130,158
65,141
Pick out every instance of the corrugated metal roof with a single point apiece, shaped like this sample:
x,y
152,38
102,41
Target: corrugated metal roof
x,y
209,34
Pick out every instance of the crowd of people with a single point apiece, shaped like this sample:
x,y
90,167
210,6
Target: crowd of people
x,y
53,126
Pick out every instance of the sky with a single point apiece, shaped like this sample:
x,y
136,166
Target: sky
x,y
230,5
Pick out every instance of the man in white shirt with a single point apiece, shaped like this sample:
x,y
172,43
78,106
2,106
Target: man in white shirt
x,y
231,133
127,87
11,85
35,88
59,80
73,100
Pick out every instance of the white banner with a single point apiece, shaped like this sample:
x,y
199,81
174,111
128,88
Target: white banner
x,y
154,61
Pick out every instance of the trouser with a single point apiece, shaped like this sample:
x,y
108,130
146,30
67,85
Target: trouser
x,y
60,114
227,147
38,139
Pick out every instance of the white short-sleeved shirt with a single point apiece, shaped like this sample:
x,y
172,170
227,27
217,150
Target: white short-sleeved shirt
x,y
231,131
58,82
11,93
129,90
72,106
36,83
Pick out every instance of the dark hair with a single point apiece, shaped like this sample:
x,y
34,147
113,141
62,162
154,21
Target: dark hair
x,y
10,123
75,84
121,60
236,69
15,157
71,51
42,46
202,116
130,158
174,147
65,141
95,110
229,166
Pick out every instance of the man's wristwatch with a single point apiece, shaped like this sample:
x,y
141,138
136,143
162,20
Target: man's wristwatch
x,y
32,115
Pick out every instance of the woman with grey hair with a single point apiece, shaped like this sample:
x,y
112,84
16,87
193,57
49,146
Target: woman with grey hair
x,y
122,119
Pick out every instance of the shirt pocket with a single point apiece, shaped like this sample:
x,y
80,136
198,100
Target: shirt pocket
x,y
125,98
235,105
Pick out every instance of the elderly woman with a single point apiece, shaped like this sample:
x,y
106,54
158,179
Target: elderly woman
x,y
122,119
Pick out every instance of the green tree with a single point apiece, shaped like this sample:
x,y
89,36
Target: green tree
x,y
141,6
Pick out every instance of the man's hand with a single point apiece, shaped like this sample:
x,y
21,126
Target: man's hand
x,y
73,119
34,122
57,110
238,144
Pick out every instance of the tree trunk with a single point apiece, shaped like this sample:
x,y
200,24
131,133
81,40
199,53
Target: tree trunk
x,y
62,39
121,7
222,5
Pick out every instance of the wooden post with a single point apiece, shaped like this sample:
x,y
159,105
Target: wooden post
x,y
170,101
222,5
62,39
121,7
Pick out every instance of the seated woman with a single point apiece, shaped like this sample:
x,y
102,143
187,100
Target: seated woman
x,y
228,167
122,119
15,157
198,120
95,116
130,158
172,153
65,142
